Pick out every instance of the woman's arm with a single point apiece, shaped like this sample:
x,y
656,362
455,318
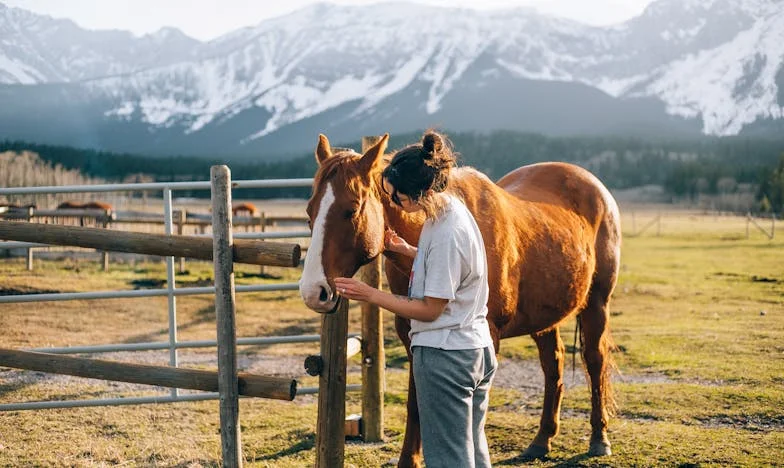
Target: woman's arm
x,y
424,310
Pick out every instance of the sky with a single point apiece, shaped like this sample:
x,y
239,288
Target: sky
x,y
208,19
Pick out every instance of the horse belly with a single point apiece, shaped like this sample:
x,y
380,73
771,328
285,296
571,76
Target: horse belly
x,y
552,288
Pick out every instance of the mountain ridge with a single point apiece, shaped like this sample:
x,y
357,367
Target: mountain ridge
x,y
685,67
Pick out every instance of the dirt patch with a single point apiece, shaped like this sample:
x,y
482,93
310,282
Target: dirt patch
x,y
753,423
752,278
527,376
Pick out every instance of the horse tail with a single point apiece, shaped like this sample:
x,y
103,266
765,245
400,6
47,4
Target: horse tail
x,y
574,344
607,348
608,395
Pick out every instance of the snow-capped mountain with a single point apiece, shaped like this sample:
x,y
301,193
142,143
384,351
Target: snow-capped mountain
x,y
38,49
683,66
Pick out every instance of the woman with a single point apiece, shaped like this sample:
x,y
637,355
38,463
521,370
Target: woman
x,y
453,356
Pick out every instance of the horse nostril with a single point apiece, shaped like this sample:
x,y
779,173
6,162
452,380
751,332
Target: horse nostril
x,y
324,296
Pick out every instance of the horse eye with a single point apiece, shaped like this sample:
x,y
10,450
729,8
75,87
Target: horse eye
x,y
350,213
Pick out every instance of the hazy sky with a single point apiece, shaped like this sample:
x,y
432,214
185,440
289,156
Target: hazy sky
x,y
207,19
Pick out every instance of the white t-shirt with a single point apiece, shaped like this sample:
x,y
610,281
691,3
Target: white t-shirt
x,y
451,264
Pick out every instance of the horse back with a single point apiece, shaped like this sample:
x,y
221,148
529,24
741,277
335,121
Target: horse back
x,y
555,229
96,205
69,205
578,191
564,185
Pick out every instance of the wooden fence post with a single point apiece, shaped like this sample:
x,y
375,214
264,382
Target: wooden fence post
x,y
225,313
181,216
373,359
30,213
330,427
105,254
263,225
772,225
748,221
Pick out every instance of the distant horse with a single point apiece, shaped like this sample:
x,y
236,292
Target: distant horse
x,y
552,236
91,205
244,209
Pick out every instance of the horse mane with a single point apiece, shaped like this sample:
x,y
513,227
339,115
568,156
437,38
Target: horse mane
x,y
464,177
341,164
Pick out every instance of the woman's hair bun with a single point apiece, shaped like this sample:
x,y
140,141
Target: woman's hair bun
x,y
431,144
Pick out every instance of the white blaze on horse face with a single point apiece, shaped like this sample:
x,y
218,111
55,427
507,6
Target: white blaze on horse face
x,y
313,286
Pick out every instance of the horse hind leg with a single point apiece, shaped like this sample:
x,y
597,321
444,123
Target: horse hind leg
x,y
551,357
597,355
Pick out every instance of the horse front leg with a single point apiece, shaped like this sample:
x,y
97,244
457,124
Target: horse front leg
x,y
411,453
551,356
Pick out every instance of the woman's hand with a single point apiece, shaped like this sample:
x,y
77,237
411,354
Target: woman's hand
x,y
397,244
353,289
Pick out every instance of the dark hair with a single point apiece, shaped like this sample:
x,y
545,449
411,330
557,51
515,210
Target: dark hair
x,y
420,167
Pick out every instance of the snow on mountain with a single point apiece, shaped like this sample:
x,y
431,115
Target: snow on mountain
x,y
729,86
713,60
38,49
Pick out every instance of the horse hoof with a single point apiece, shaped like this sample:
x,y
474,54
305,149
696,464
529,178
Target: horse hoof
x,y
535,452
404,462
599,449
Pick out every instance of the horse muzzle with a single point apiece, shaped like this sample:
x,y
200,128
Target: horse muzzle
x,y
319,297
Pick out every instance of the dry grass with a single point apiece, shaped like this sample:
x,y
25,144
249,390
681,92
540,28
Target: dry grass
x,y
698,316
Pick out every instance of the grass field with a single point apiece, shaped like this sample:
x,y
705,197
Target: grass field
x,y
698,317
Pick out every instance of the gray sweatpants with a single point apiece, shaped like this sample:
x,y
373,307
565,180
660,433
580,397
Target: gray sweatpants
x,y
452,388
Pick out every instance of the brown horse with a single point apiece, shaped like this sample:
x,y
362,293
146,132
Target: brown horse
x,y
552,236
91,205
245,208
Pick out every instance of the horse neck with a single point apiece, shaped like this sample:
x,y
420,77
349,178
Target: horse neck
x,y
466,184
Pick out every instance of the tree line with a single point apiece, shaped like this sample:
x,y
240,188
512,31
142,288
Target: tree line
x,y
685,169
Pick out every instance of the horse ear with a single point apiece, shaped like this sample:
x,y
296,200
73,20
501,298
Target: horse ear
x,y
323,150
372,156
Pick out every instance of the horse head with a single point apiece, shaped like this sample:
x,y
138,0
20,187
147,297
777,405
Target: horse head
x,y
346,218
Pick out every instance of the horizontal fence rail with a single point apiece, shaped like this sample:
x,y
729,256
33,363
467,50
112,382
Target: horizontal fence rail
x,y
152,346
245,250
238,235
203,290
196,185
249,384
40,405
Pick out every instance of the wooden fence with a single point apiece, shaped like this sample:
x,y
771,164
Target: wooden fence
x,y
224,251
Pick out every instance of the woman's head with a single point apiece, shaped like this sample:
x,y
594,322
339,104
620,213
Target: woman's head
x,y
418,171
